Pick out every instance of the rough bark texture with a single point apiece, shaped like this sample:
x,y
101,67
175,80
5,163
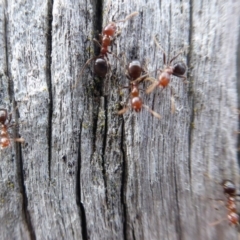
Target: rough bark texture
x,y
86,173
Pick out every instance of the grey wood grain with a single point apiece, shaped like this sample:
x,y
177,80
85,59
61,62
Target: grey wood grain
x,y
85,172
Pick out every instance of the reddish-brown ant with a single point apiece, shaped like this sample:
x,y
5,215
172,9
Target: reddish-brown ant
x,y
134,72
106,38
229,190
178,70
5,121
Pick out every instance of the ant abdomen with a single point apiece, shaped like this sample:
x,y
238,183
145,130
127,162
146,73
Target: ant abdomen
x,y
3,116
179,68
229,187
134,69
100,67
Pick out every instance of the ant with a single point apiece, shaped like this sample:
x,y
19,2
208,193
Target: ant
x,y
106,39
178,69
229,190
5,121
134,72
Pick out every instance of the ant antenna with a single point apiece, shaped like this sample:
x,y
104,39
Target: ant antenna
x,y
131,15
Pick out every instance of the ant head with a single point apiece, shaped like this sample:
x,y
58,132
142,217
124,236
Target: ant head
x,y
100,67
137,104
179,68
110,29
134,69
229,187
3,116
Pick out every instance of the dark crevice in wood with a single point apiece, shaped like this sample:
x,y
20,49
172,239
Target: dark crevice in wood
x,y
19,164
123,186
104,147
97,23
98,85
238,91
81,209
26,213
105,125
190,94
49,82
84,222
98,82
94,123
10,81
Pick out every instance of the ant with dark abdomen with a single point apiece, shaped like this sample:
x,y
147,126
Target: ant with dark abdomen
x,y
229,190
5,121
106,38
134,73
178,69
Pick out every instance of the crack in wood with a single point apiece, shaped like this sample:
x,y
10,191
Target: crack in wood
x,y
190,95
80,205
26,213
123,187
49,83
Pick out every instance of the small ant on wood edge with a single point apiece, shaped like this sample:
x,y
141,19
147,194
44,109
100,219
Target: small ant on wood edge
x,y
230,192
134,73
178,70
106,38
5,120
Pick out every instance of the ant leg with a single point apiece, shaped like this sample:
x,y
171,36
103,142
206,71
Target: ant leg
x,y
173,106
181,76
217,222
152,86
175,57
152,112
180,52
121,87
81,72
122,111
97,42
20,140
144,77
164,54
114,55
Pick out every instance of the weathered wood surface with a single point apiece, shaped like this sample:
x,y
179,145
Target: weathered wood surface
x,y
86,173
